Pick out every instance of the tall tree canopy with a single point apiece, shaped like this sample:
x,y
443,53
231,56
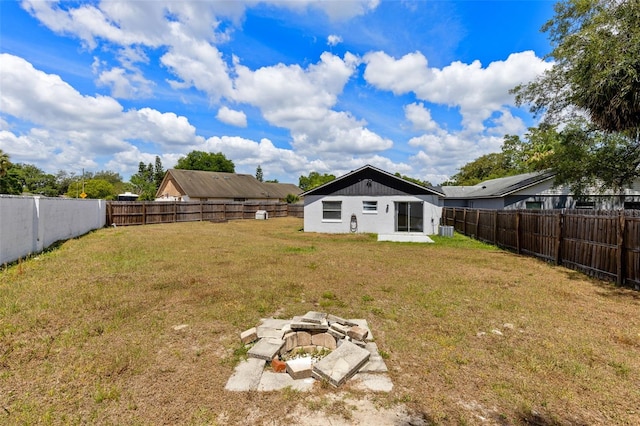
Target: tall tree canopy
x,y
596,73
596,49
314,180
207,161
147,181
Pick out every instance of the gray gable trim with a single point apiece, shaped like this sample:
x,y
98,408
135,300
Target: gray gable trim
x,y
369,180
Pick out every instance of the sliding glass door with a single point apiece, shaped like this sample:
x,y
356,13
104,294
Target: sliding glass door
x,y
409,217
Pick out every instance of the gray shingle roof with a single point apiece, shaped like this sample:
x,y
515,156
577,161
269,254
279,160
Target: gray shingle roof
x,y
497,187
201,184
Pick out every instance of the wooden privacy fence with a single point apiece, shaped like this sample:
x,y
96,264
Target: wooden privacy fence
x,y
604,244
124,213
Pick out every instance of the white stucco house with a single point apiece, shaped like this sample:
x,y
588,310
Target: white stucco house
x,y
370,200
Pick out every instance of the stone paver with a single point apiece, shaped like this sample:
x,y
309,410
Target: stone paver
x,y
266,349
270,381
341,364
249,336
314,317
246,375
312,333
300,368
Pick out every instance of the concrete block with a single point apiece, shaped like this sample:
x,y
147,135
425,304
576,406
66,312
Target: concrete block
x,y
304,338
357,333
274,323
299,368
265,332
323,339
246,375
341,364
266,349
290,341
363,323
340,328
338,320
338,336
309,326
314,317
249,336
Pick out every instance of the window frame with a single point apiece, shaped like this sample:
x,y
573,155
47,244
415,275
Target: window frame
x,y
331,207
369,207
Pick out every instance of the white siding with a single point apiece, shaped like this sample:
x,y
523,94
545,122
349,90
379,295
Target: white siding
x,y
381,222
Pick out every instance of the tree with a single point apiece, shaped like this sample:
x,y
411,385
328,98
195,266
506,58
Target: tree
x,y
259,175
144,183
94,188
207,161
414,180
314,180
488,166
534,152
586,157
292,199
596,73
596,49
158,172
35,181
5,164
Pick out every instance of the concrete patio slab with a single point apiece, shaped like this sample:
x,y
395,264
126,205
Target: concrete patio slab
x,y
246,375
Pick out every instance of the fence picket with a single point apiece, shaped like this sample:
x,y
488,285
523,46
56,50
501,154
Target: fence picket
x,y
600,243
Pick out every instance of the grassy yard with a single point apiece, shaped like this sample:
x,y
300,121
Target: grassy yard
x,y
141,325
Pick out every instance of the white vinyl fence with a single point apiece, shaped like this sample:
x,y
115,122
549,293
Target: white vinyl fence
x,y
28,225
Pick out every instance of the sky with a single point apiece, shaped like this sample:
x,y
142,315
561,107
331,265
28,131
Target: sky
x,y
414,87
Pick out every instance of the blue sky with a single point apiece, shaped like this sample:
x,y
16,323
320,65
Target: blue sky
x,y
416,87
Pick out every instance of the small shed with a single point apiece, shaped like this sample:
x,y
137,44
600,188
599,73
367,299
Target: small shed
x,y
371,200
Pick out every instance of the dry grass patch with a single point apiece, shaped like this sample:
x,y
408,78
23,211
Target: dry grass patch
x,y
140,325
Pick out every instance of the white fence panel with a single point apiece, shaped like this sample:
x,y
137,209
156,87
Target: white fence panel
x,y
31,224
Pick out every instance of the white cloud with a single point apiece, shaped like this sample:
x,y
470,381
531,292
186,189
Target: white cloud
x,y
68,129
232,117
477,91
125,85
301,100
334,40
420,117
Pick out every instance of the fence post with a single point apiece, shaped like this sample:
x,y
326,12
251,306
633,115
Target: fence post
x,y
518,250
144,212
454,219
559,230
495,227
464,222
175,211
478,224
201,211
621,249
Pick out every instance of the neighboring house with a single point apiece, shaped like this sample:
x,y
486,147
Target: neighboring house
x,y
371,200
534,191
197,185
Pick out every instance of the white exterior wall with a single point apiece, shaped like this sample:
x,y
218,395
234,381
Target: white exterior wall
x,y
381,222
30,224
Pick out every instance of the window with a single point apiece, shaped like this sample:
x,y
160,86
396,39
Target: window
x,y
632,205
533,205
585,205
331,210
370,207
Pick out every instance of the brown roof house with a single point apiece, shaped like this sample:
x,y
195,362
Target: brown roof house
x,y
197,185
